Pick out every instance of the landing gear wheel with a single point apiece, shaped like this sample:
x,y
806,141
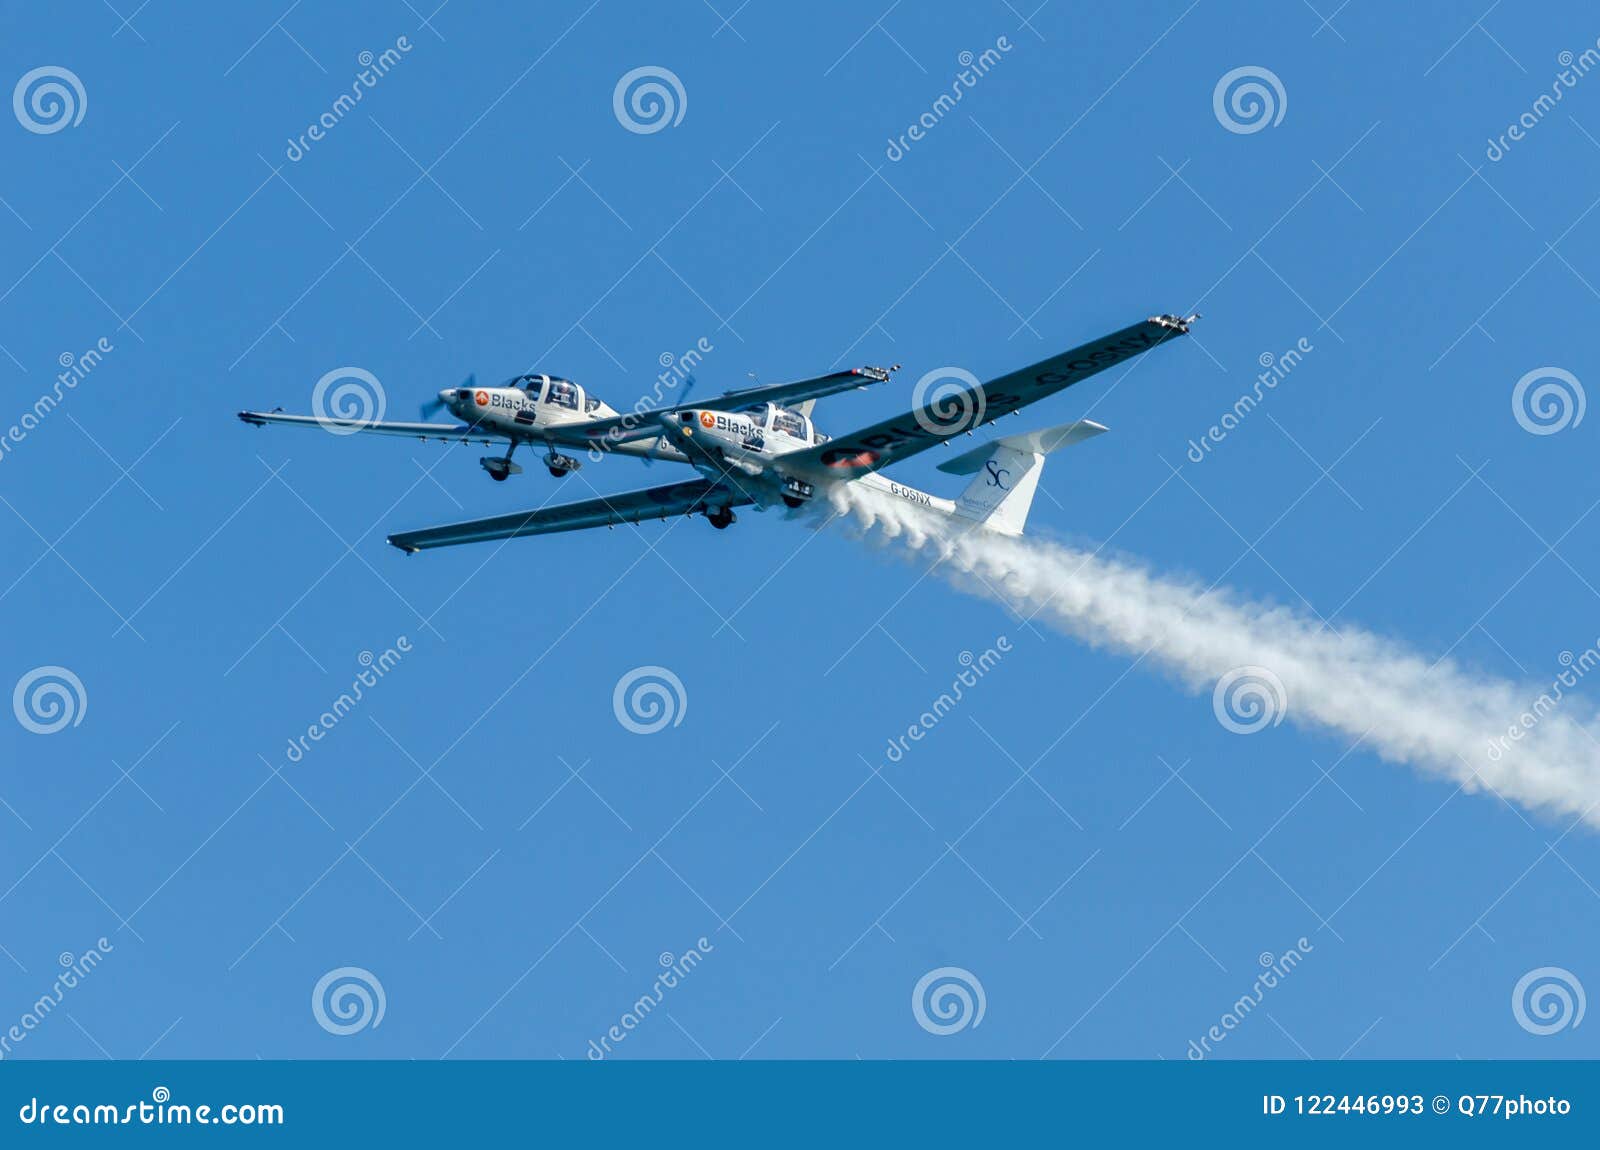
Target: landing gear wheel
x,y
721,518
559,464
792,501
499,476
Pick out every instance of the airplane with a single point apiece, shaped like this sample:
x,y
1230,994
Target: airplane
x,y
765,453
538,408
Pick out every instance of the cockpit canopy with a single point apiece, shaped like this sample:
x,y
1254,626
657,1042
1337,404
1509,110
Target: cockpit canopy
x,y
770,417
554,390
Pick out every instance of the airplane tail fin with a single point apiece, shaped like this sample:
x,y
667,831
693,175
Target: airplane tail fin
x,y
1006,473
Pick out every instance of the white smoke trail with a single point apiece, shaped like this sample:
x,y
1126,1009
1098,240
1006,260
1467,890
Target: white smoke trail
x,y
1439,717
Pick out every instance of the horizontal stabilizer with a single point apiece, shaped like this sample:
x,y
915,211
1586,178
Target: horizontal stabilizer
x,y
1041,442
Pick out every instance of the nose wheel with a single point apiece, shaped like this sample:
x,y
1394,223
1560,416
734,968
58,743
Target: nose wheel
x,y
499,468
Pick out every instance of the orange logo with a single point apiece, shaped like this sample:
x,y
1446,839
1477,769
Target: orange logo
x,y
483,398
707,419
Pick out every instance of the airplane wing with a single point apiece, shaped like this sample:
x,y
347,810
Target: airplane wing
x,y
423,431
628,507
946,415
785,394
635,425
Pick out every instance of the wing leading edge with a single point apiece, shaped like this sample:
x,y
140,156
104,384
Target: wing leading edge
x,y
947,415
423,431
628,507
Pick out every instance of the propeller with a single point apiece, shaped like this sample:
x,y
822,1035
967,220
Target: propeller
x,y
688,386
432,407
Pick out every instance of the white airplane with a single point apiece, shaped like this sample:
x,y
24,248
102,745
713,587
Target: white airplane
x,y
544,409
766,453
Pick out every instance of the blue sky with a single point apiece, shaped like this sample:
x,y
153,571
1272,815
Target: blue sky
x,y
481,835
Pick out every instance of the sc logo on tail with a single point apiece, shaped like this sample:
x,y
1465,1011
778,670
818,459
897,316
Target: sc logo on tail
x,y
995,472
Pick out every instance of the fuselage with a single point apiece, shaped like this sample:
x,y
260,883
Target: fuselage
x,y
750,446
530,408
